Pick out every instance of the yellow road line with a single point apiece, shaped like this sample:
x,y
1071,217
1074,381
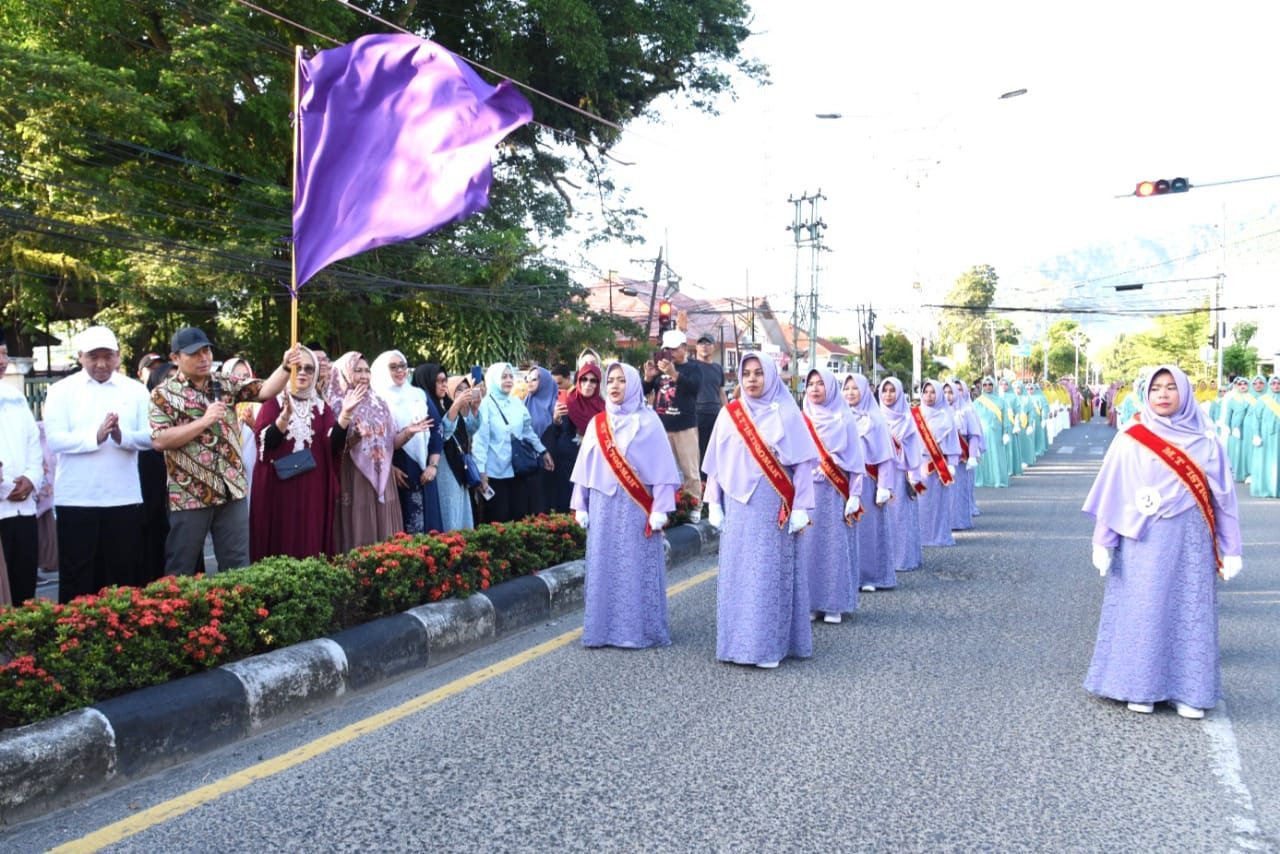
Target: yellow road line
x,y
175,807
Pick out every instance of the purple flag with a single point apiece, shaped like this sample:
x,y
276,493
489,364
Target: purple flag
x,y
395,139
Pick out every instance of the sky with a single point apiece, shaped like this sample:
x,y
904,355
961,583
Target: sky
x,y
928,172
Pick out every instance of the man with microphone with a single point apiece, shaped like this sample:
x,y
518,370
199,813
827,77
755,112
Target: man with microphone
x,y
193,421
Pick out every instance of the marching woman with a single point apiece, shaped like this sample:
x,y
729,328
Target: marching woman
x,y
993,466
1164,503
908,462
1265,466
368,508
829,559
969,432
759,466
293,509
875,568
936,423
625,481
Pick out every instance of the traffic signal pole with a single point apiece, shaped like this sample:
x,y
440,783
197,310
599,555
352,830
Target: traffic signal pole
x,y
653,295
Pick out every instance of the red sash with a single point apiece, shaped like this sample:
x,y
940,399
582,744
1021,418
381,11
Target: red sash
x,y
832,470
938,462
769,465
918,488
622,469
874,470
1186,470
964,449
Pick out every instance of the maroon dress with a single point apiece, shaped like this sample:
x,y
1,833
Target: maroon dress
x,y
294,517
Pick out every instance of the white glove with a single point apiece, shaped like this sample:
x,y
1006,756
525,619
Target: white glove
x,y
971,463
1231,565
799,519
1031,429
1257,441
853,505
882,496
580,516
657,521
715,515
1101,559
1006,438
1235,431
951,470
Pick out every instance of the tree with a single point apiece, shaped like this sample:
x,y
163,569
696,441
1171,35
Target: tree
x,y
145,167
964,321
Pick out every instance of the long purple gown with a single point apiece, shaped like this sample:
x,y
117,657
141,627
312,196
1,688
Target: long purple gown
x,y
827,554
626,581
1158,632
762,600
903,517
935,512
875,564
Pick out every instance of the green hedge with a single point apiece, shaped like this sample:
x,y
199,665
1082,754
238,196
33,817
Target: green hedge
x,y
55,658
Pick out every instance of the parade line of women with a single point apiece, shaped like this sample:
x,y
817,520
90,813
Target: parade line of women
x,y
815,503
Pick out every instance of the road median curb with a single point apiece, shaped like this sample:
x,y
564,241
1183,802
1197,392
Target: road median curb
x,y
61,761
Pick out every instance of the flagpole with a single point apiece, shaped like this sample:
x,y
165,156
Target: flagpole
x,y
293,250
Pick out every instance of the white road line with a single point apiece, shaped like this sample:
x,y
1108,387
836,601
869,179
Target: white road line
x,y
1226,765
1067,449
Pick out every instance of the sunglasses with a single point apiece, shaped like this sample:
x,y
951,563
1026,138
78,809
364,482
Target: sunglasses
x,y
307,369
589,380
398,366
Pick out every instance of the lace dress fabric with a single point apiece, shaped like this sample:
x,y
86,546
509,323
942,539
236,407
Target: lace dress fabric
x,y
962,498
903,517
935,513
1158,632
874,557
625,588
827,554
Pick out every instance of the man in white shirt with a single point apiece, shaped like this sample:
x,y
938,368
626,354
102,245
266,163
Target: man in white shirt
x,y
96,422
21,476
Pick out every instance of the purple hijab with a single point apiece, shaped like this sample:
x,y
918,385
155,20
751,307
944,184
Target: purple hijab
x,y
968,422
903,428
542,403
877,444
1132,477
638,434
941,420
835,425
780,425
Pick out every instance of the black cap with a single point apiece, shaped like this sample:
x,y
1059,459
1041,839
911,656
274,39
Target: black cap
x,y
189,340
706,339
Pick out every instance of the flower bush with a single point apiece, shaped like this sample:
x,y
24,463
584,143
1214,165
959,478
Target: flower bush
x,y
59,657
685,505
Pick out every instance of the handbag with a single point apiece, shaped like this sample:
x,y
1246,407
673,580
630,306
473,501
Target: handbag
x,y
525,459
292,465
470,468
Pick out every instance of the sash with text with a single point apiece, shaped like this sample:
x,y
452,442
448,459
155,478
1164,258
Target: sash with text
x,y
937,461
1186,470
832,471
769,465
622,469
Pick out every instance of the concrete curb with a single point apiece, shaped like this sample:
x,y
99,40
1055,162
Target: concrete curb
x,y
58,762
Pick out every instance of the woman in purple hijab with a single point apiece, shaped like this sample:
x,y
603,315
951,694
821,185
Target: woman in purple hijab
x,y
875,569
935,501
626,581
762,607
828,557
1158,632
908,463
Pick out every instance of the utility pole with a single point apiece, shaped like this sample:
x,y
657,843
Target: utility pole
x,y
806,232
653,295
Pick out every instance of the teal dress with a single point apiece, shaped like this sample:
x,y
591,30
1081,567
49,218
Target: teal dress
x,y
993,467
1013,417
1265,466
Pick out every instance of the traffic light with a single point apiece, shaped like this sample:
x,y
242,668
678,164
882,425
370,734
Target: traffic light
x,y
1160,187
666,320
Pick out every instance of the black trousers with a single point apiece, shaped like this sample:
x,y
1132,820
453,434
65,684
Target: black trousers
x,y
99,547
512,499
21,546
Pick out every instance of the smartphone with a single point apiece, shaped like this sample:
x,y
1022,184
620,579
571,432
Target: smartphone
x,y
487,492
657,357
477,375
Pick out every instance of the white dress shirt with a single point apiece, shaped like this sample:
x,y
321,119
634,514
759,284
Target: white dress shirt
x,y
91,474
20,451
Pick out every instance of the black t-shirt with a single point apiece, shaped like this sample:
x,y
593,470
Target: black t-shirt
x,y
676,398
712,383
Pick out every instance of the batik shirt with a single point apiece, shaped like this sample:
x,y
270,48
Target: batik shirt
x,y
208,470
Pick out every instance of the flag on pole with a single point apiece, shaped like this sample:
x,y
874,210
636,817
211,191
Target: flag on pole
x,y
394,139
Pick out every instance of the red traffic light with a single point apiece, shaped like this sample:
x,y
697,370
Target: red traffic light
x,y
1160,187
664,309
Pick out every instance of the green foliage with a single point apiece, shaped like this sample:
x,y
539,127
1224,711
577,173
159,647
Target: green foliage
x,y
965,322
59,657
1175,339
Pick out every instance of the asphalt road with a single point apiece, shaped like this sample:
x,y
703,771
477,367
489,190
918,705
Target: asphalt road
x,y
948,715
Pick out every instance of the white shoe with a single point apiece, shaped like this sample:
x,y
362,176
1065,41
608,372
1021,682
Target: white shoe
x,y
868,588
695,515
831,618
1142,708
768,665
1189,711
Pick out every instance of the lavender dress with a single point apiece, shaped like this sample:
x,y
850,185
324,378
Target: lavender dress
x,y
902,514
828,554
875,568
626,581
935,511
1158,632
762,601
